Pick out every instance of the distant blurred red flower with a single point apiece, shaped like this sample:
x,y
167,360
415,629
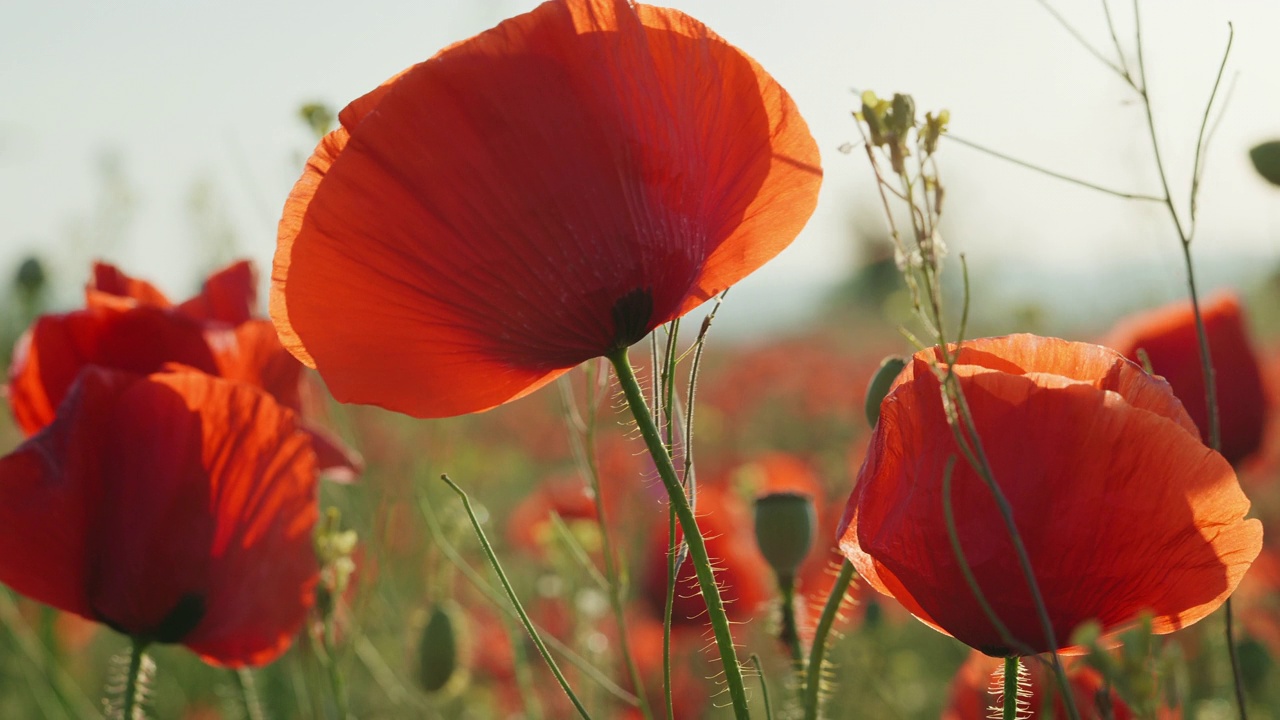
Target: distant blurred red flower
x,y
176,507
229,295
1168,335
969,697
541,194
746,582
529,524
128,324
1121,507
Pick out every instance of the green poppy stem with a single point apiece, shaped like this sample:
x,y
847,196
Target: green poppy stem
x,y
134,686
248,694
790,632
1010,700
813,677
688,523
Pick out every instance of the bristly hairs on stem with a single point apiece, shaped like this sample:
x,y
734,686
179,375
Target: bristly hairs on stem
x,y
813,681
129,679
1011,693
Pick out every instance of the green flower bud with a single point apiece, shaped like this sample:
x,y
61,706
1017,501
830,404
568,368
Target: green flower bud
x,y
440,646
880,383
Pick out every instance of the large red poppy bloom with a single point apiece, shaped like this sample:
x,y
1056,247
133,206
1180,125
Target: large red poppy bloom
x,y
128,324
541,194
1121,507
176,507
1168,335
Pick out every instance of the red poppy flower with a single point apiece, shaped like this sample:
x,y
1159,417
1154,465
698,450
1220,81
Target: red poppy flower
x,y
129,325
541,194
177,507
529,524
229,296
970,696
1168,335
1121,508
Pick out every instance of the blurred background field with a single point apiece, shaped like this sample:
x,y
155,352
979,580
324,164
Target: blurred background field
x,y
786,366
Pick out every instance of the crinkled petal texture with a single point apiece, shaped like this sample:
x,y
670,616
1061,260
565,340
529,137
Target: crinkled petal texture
x,y
541,194
1121,508
177,507
1168,336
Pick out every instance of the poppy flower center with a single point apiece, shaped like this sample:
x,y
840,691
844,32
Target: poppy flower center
x,y
631,315
185,615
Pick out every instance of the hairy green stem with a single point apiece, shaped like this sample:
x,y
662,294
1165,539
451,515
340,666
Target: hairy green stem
x,y
1010,699
131,703
688,523
813,676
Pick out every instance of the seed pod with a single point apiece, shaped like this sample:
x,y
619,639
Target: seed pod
x,y
440,649
785,523
880,383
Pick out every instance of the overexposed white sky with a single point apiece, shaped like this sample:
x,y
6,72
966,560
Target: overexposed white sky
x,y
206,93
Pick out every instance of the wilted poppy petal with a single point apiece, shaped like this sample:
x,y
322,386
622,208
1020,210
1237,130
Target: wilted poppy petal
x,y
531,198
52,353
1121,509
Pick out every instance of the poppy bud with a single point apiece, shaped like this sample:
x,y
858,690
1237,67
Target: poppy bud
x,y
784,531
880,383
440,646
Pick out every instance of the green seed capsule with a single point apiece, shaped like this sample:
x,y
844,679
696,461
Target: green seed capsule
x,y
880,383
440,645
785,523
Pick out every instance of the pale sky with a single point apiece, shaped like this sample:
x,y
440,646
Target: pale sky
x,y
198,91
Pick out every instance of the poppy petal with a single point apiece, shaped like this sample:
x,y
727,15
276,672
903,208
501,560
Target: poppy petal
x,y
109,282
49,488
52,353
1120,508
230,296
1168,336
263,501
534,197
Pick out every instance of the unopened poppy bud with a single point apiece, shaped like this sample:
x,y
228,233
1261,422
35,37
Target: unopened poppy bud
x,y
440,649
880,383
30,278
784,531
